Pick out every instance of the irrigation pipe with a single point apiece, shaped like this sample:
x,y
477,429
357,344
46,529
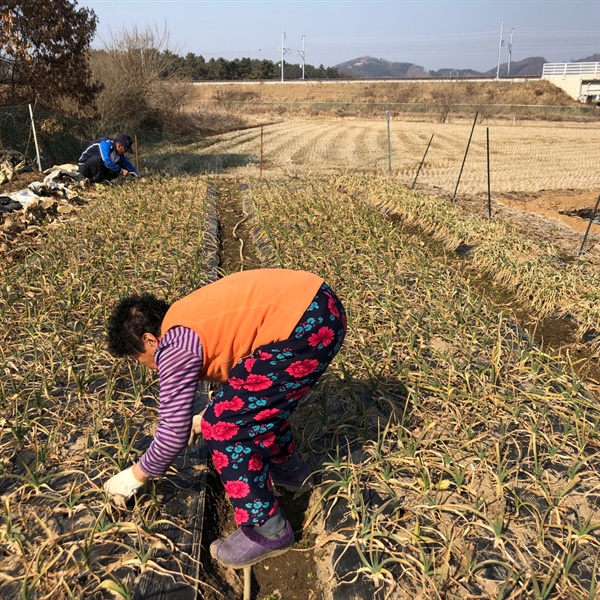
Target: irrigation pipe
x,y
247,582
592,217
241,240
422,161
465,156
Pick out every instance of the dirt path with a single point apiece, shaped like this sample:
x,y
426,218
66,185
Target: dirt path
x,y
548,215
293,575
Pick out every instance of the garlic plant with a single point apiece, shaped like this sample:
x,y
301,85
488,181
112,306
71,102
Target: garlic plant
x,y
465,453
72,415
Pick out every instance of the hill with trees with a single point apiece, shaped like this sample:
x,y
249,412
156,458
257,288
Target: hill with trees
x,y
593,58
528,67
368,67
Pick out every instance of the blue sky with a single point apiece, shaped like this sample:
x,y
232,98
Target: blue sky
x,y
431,33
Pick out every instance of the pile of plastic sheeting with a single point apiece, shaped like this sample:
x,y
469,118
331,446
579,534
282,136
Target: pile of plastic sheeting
x,y
41,203
11,163
61,181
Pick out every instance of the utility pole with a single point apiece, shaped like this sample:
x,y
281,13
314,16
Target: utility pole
x,y
510,51
284,51
302,54
500,50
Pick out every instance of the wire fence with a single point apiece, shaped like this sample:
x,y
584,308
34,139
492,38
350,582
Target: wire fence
x,y
59,139
445,107
62,139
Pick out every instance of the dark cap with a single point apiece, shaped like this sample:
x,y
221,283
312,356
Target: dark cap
x,y
124,140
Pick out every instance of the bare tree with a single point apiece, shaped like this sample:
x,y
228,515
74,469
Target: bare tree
x,y
446,98
141,82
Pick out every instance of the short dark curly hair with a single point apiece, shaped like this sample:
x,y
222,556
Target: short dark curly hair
x,y
130,319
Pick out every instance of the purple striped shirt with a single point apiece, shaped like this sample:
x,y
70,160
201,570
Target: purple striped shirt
x,y
179,359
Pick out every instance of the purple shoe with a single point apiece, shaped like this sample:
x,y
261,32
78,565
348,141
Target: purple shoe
x,y
246,547
299,480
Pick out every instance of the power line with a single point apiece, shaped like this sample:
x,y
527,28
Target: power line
x,y
283,51
302,54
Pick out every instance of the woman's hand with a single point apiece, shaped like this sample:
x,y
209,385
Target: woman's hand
x,y
126,483
196,430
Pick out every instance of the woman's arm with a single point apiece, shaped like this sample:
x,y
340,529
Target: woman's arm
x,y
179,359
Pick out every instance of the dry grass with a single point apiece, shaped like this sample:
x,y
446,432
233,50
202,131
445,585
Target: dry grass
x,y
439,100
465,457
525,156
536,273
462,92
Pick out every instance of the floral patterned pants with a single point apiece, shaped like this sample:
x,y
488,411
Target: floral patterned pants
x,y
246,425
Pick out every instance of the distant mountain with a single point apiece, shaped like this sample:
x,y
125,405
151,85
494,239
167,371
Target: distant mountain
x,y
592,58
528,67
368,67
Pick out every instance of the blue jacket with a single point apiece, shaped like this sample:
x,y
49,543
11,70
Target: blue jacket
x,y
105,147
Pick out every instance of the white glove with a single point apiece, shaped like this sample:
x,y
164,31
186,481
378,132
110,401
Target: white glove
x,y
196,431
123,484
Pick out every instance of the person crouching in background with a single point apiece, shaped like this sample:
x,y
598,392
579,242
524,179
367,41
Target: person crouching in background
x,y
104,159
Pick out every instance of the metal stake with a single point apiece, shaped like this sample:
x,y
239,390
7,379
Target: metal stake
x,y
387,117
422,161
487,139
465,157
137,153
37,148
589,225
